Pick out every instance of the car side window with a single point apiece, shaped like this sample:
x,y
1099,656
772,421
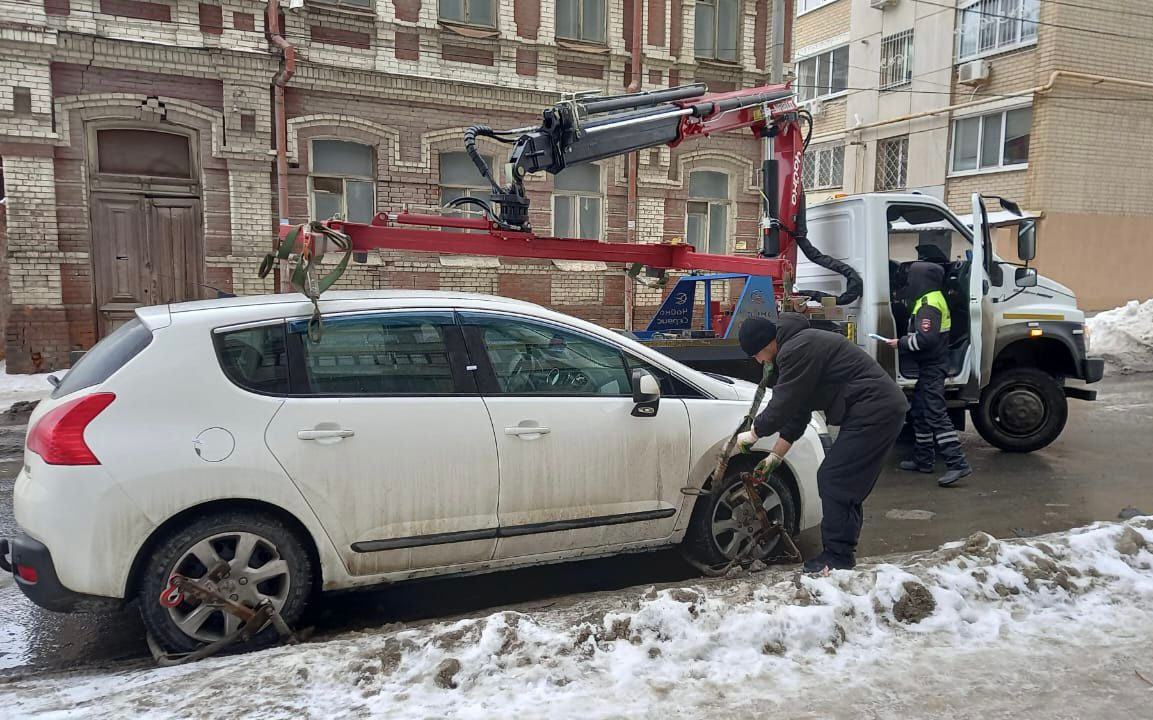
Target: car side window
x,y
380,354
530,358
255,358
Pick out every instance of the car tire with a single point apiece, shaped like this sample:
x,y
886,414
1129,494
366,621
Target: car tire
x,y
710,541
278,567
1021,410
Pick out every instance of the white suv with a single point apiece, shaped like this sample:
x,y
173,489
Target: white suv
x,y
423,434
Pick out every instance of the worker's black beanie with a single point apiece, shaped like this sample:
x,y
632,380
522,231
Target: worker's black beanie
x,y
756,334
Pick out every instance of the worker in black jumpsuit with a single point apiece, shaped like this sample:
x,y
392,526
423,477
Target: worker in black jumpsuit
x,y
823,370
924,352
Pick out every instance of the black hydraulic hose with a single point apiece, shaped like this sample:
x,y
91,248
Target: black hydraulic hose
x,y
854,286
478,159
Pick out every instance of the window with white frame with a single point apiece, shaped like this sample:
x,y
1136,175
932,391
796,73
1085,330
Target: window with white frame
x,y
892,163
824,167
804,6
823,74
896,60
582,20
988,26
993,141
707,222
717,28
577,203
460,178
469,12
342,181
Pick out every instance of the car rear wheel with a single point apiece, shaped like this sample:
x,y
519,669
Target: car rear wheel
x,y
260,558
724,522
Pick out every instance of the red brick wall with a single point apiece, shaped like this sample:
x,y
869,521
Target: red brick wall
x,y
526,15
70,79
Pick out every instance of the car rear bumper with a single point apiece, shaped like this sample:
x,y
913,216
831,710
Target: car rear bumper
x,y
31,565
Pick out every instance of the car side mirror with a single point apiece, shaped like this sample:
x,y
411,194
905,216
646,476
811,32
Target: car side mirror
x,y
1026,277
646,393
1027,240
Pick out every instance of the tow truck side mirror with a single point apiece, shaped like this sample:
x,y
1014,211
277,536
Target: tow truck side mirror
x,y
1027,240
1026,277
646,393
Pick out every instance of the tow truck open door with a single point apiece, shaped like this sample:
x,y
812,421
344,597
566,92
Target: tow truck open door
x,y
977,291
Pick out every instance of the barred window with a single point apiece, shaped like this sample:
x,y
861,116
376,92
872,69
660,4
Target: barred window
x,y
824,167
896,60
892,163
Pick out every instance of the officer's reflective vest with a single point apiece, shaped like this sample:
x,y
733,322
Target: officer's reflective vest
x,y
935,299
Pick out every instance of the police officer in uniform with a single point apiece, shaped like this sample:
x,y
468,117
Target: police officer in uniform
x,y
927,348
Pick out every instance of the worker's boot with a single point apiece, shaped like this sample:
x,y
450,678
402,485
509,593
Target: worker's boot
x,y
950,478
828,561
956,462
914,466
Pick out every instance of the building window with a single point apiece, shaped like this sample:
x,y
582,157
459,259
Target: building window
x,y
716,29
581,20
892,163
361,4
823,74
804,6
576,204
468,12
896,60
343,180
991,142
707,224
988,26
460,178
824,167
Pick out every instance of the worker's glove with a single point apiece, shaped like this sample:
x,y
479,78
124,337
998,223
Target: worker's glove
x,y
746,440
765,468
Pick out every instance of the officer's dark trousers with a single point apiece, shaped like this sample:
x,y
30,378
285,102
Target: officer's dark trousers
x,y
931,423
849,473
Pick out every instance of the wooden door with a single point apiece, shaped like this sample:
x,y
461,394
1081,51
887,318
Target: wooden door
x,y
145,251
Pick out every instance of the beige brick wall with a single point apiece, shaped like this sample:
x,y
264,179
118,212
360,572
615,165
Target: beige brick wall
x,y
1008,73
821,24
31,229
831,119
959,191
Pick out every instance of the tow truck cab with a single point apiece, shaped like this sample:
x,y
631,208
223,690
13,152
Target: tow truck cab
x,y
1017,336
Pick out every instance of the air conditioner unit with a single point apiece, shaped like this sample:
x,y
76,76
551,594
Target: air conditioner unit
x,y
974,72
882,4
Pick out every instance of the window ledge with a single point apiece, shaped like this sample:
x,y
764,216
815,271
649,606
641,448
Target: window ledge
x,y
989,171
356,12
895,86
590,48
826,98
474,32
813,10
720,64
998,51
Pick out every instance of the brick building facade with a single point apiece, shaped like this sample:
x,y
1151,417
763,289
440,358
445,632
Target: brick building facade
x,y
135,139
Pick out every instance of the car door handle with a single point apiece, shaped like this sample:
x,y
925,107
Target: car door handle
x,y
523,430
324,434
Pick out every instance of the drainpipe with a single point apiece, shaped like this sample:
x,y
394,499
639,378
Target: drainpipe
x,y
287,70
1038,90
633,162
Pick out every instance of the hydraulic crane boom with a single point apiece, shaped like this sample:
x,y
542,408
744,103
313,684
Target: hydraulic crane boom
x,y
586,128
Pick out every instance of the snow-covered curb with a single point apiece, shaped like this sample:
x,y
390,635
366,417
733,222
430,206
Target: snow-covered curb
x,y
680,652
1124,337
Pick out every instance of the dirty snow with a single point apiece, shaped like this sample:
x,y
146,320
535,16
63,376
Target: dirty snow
x,y
1056,626
17,388
1124,337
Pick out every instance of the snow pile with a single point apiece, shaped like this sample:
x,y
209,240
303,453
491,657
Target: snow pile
x,y
1124,337
23,388
753,646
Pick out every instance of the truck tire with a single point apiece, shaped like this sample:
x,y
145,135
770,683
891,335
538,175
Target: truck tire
x,y
1021,410
277,567
721,519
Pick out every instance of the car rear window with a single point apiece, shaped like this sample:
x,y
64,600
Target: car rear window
x,y
105,358
255,358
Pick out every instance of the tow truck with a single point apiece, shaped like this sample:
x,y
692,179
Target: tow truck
x,y
1015,342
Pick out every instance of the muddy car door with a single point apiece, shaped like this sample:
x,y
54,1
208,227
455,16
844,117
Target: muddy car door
x,y
581,463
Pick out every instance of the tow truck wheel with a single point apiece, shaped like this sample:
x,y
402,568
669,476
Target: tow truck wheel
x,y
258,558
1021,410
723,522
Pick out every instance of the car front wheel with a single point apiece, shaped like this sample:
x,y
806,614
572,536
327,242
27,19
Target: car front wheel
x,y
259,559
724,522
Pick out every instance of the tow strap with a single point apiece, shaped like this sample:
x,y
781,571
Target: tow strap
x,y
303,275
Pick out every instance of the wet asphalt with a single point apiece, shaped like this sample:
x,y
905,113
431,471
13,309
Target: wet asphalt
x,y
1101,465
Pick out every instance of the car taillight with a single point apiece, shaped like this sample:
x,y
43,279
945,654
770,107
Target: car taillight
x,y
58,437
